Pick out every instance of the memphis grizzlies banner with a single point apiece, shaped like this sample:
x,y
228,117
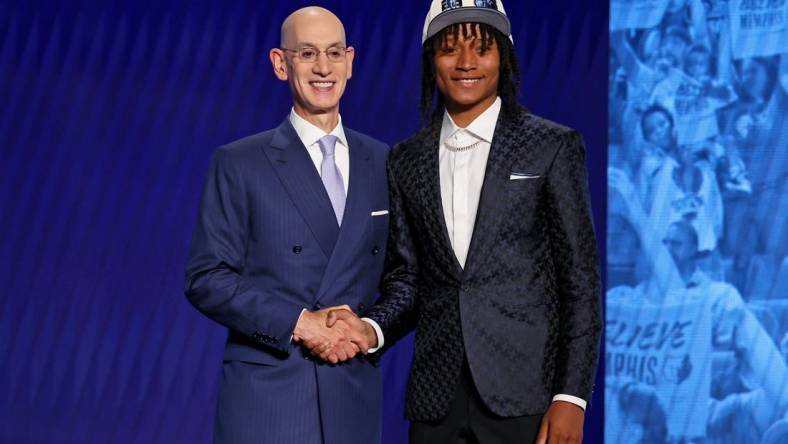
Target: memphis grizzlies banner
x,y
697,242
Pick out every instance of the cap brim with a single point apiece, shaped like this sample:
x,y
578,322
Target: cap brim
x,y
491,17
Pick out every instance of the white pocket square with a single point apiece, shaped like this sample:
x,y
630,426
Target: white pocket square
x,y
379,213
518,176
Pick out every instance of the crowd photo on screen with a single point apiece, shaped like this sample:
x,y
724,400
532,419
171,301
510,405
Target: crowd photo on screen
x,y
697,236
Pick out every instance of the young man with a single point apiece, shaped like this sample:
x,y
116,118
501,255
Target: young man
x,y
491,257
293,220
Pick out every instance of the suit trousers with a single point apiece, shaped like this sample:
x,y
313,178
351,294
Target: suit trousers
x,y
469,421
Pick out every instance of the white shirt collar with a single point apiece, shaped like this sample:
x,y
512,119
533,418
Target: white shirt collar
x,y
310,134
482,127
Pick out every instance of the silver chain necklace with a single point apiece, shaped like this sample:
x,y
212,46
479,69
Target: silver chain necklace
x,y
459,149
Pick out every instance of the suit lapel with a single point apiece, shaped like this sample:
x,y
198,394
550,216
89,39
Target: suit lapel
x,y
299,176
436,220
356,217
492,200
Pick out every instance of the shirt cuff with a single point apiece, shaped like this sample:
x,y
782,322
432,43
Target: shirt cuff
x,y
378,333
299,318
573,399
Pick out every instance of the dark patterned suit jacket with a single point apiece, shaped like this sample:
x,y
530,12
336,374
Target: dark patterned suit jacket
x,y
525,311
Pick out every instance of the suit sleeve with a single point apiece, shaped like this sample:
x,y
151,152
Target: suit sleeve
x,y
576,262
395,310
215,281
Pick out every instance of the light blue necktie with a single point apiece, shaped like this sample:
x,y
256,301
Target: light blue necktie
x,y
332,178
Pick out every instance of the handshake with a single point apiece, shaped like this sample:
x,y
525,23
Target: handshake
x,y
334,334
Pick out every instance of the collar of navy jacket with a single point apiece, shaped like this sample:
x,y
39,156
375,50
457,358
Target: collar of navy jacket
x,y
302,182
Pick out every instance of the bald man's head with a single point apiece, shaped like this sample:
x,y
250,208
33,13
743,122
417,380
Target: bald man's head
x,y
315,60
308,17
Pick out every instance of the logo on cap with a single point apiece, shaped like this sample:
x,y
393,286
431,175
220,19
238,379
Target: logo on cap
x,y
454,4
486,4
451,4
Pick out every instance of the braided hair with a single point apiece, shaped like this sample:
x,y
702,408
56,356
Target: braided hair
x,y
509,72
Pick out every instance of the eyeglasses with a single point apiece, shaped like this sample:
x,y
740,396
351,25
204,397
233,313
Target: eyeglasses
x,y
309,54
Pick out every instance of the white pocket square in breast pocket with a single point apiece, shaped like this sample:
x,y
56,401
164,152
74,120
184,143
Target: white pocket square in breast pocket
x,y
519,176
379,213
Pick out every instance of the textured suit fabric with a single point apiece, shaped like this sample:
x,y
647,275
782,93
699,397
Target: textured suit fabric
x,y
266,246
525,311
469,421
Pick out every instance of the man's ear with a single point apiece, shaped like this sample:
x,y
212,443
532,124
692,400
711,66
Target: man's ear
x,y
278,62
350,54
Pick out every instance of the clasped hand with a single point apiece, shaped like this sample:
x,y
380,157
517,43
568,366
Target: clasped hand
x,y
334,334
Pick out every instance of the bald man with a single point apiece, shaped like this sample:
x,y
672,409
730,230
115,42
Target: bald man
x,y
293,221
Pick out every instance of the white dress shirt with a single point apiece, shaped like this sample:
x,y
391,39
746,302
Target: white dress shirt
x,y
310,134
462,174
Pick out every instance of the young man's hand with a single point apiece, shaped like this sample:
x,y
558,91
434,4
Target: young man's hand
x,y
562,424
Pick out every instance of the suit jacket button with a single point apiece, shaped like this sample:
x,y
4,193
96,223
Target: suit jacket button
x,y
375,250
297,249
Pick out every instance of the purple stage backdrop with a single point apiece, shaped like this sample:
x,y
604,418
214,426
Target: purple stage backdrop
x,y
109,115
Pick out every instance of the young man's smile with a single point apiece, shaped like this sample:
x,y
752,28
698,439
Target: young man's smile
x,y
467,71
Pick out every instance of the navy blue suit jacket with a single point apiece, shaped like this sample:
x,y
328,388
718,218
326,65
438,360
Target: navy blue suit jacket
x,y
267,245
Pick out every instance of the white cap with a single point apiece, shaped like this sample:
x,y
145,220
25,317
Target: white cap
x,y
445,13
